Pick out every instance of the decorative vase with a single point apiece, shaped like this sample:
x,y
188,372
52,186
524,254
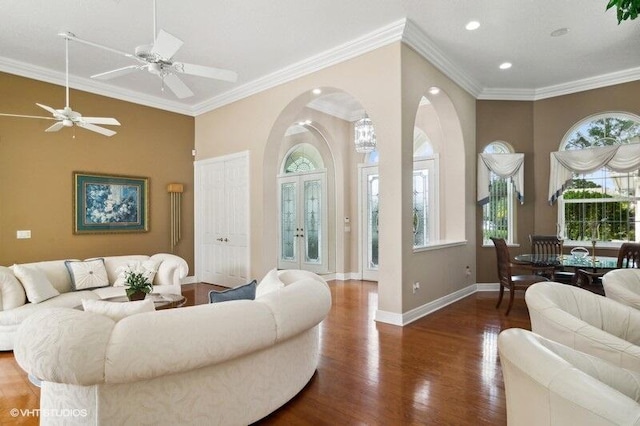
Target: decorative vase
x,y
138,295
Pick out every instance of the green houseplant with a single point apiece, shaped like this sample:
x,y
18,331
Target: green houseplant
x,y
137,284
626,9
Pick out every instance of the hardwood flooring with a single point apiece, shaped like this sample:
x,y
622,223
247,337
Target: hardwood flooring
x,y
440,370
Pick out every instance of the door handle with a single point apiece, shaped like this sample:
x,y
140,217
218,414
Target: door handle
x,y
219,239
225,240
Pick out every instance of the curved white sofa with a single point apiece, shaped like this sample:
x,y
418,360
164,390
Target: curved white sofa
x,y
14,306
623,285
586,322
228,363
547,383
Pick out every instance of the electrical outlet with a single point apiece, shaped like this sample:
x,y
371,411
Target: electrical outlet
x,y
467,271
416,287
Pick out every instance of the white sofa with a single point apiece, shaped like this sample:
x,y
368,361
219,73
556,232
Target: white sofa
x,y
228,363
623,285
586,322
15,307
547,383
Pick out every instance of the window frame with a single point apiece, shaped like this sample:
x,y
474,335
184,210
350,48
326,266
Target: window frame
x,y
505,148
614,199
431,164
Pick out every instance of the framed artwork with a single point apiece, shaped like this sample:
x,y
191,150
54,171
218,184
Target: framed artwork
x,y
108,203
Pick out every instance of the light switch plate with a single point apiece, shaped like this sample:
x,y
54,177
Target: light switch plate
x,y
24,234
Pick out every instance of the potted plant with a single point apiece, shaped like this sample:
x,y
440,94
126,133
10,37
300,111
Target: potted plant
x,y
626,9
137,284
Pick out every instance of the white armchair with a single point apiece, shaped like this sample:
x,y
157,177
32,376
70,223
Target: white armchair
x,y
623,285
586,322
547,383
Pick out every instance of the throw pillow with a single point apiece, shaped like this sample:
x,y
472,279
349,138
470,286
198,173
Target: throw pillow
x,y
270,282
148,267
88,274
117,311
247,291
35,282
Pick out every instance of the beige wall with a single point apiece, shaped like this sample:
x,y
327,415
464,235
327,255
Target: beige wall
x,y
441,271
36,172
538,130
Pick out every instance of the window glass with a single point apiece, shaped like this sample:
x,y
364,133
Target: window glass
x,y
601,205
498,213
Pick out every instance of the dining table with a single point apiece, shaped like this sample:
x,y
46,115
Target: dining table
x,y
597,264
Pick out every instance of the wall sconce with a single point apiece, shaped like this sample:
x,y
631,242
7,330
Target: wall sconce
x,y
175,190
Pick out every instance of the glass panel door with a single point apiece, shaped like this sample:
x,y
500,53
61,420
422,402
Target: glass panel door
x,y
303,222
370,187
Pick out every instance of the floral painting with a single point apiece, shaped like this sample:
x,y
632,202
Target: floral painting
x,y
106,203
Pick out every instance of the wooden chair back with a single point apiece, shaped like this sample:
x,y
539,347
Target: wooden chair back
x,y
545,245
629,255
504,261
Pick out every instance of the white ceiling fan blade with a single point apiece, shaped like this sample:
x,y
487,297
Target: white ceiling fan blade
x,y
71,36
177,86
101,120
57,126
48,108
96,129
209,72
166,45
26,116
107,75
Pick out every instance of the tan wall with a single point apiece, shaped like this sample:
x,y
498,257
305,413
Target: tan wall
x,y
545,123
511,122
36,172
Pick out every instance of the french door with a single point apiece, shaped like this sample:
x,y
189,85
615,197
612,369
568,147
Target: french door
x,y
369,201
302,201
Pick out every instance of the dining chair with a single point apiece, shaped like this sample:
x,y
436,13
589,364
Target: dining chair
x,y
628,257
543,246
507,279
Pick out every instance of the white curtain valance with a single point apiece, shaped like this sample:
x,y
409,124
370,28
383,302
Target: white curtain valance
x,y
618,158
504,165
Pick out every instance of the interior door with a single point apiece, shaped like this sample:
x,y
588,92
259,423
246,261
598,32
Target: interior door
x,y
222,221
369,202
303,222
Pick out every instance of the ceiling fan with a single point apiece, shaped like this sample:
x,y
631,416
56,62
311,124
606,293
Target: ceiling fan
x,y
67,117
157,59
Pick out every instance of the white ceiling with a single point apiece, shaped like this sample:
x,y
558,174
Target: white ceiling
x,y
268,42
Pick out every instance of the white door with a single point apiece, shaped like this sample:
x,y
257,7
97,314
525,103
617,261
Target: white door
x,y
222,220
303,222
369,201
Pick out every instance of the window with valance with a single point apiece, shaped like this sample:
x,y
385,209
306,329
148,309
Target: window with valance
x,y
594,177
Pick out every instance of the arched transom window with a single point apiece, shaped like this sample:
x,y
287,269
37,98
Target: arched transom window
x,y
303,157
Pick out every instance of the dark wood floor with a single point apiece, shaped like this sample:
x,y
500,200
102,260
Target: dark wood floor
x,y
440,370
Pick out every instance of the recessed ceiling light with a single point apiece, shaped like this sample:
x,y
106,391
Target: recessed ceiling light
x,y
505,65
559,32
316,91
434,90
472,25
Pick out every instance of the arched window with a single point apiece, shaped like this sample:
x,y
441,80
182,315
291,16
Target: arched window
x,y
303,157
425,191
601,205
498,214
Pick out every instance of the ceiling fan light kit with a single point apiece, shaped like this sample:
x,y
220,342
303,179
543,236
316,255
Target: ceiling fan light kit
x,y
67,117
157,59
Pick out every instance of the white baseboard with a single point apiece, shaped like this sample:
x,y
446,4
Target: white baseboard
x,y
489,287
426,309
342,276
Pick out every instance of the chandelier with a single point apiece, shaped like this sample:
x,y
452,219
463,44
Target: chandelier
x,y
365,136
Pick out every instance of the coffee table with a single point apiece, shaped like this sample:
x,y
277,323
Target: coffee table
x,y
162,301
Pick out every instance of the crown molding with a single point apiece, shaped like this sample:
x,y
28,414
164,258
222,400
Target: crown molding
x,y
363,44
92,86
604,80
415,38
